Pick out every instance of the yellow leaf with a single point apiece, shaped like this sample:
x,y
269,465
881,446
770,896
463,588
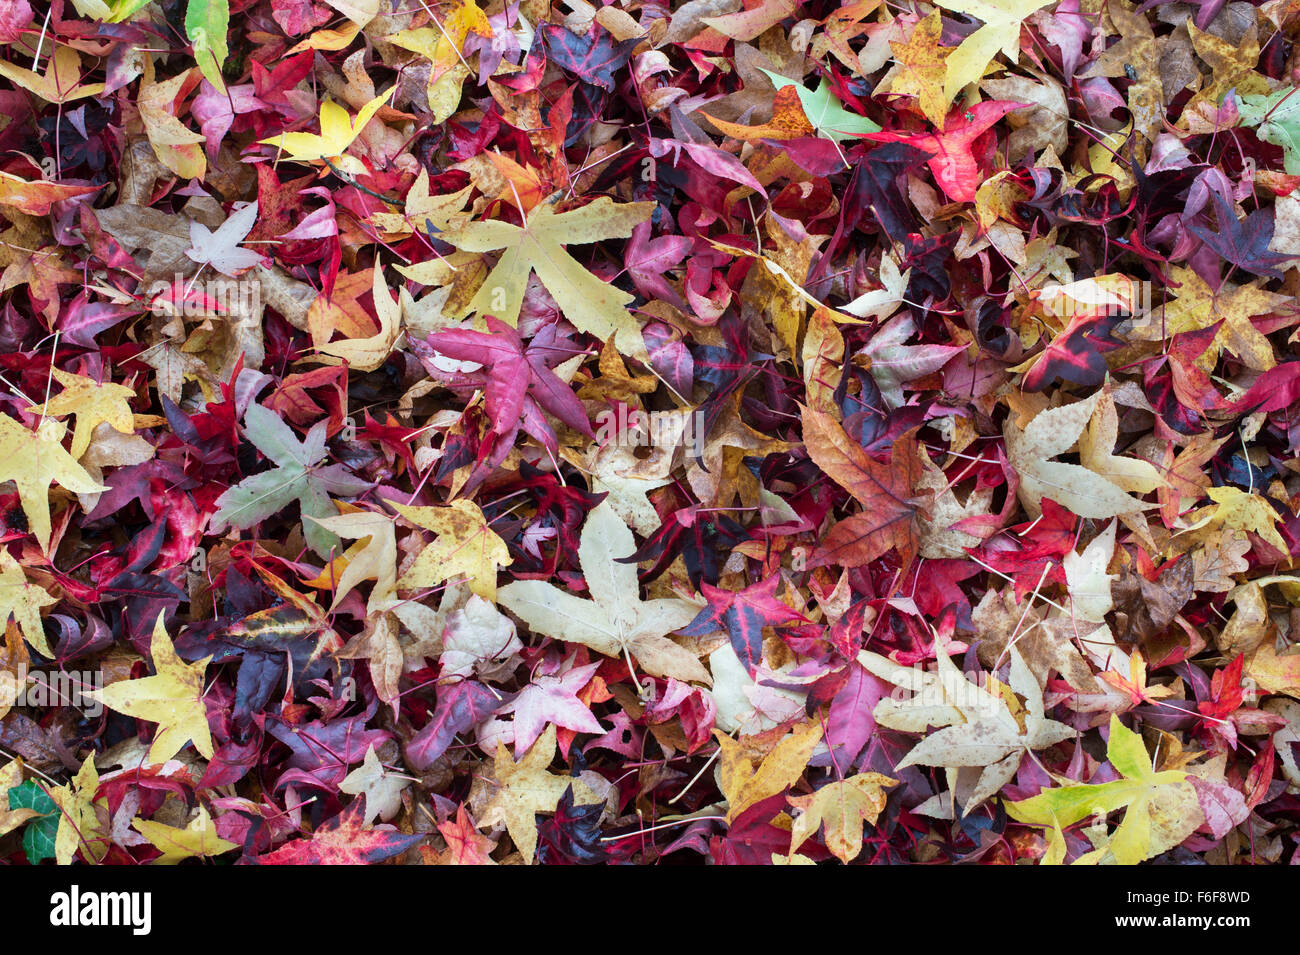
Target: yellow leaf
x,y
338,130
81,821
1160,808
176,146
328,40
34,460
526,788
1001,32
466,547
92,403
840,807
24,600
61,81
443,211
923,68
94,10
1244,511
10,819
442,45
376,560
591,304
199,838
172,698
367,354
382,789
1096,447
1274,672
615,621
744,785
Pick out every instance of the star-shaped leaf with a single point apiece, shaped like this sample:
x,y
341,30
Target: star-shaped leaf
x,y
616,621
592,305
382,789
466,547
92,403
840,808
172,698
23,600
296,477
34,460
197,839
525,788
1160,809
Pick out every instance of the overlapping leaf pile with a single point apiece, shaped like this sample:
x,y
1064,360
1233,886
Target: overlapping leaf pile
x,y
730,431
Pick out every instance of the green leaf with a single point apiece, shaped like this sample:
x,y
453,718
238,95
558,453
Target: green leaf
x,y
1278,117
297,477
125,9
206,23
1160,809
825,111
39,833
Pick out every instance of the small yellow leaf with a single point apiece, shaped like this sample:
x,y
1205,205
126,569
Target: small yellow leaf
x,y
841,807
338,130
199,838
466,547
744,785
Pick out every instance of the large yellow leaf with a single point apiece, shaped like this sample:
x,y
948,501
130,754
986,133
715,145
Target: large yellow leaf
x,y
1160,809
172,698
592,305
1000,33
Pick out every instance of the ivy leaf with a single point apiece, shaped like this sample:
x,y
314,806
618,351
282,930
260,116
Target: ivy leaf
x,y
295,478
30,803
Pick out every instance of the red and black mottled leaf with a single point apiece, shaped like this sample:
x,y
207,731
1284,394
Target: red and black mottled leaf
x,y
1076,354
743,614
